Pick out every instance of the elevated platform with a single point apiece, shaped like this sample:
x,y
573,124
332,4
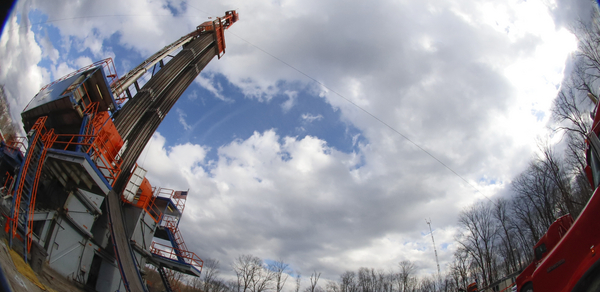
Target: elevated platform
x,y
77,167
165,256
176,265
65,100
167,206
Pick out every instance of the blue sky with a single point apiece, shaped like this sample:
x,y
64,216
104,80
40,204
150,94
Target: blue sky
x,y
210,120
214,122
285,166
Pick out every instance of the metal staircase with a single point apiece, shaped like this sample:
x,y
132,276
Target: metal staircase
x,y
27,182
171,223
165,279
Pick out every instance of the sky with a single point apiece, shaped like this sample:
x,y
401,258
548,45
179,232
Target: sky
x,y
330,130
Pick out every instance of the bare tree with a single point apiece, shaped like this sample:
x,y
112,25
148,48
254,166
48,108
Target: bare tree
x,y
460,268
280,276
332,286
175,279
209,277
508,250
535,200
553,167
263,280
246,268
480,238
588,52
366,282
407,268
348,282
298,278
427,284
314,278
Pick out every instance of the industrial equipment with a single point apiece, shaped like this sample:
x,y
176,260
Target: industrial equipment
x,y
77,196
565,256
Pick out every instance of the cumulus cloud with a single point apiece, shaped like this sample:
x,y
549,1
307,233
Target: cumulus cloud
x,y
20,54
297,198
48,50
207,81
289,103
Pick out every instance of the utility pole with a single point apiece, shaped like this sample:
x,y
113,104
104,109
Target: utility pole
x,y
435,251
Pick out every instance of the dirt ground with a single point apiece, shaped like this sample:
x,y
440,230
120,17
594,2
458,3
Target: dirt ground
x,y
23,278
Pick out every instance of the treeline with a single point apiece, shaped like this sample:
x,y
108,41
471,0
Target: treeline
x,y
498,236
252,274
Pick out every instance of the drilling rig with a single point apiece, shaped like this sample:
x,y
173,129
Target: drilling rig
x,y
73,195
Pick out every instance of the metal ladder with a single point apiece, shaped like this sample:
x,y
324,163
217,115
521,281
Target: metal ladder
x,y
165,279
26,185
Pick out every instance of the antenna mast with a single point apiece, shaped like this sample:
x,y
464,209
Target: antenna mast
x,y
434,249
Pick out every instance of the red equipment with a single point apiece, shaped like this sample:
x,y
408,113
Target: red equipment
x,y
565,257
219,25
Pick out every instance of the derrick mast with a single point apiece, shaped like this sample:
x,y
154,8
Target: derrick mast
x,y
142,113
86,131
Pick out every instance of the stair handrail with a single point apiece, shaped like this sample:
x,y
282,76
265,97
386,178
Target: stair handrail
x,y
173,253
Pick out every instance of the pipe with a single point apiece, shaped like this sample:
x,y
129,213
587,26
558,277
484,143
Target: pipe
x,y
130,80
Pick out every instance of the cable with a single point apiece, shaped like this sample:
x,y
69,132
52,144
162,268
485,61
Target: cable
x,y
307,76
367,112
190,5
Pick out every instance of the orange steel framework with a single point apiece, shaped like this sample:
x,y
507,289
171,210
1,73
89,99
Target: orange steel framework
x,y
146,199
9,178
219,25
46,138
172,224
17,144
97,150
173,253
96,144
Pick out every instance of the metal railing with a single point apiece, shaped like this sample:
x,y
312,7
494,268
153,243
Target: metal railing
x,y
172,253
179,202
96,149
153,210
18,144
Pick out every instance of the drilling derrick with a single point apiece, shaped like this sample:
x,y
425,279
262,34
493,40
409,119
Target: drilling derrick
x,y
85,132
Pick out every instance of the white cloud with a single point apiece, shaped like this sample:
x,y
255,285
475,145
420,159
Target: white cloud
x,y
208,82
289,103
182,121
82,62
19,73
48,50
177,167
309,118
62,69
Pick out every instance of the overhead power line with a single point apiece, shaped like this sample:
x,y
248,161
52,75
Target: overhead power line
x,y
312,79
367,112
